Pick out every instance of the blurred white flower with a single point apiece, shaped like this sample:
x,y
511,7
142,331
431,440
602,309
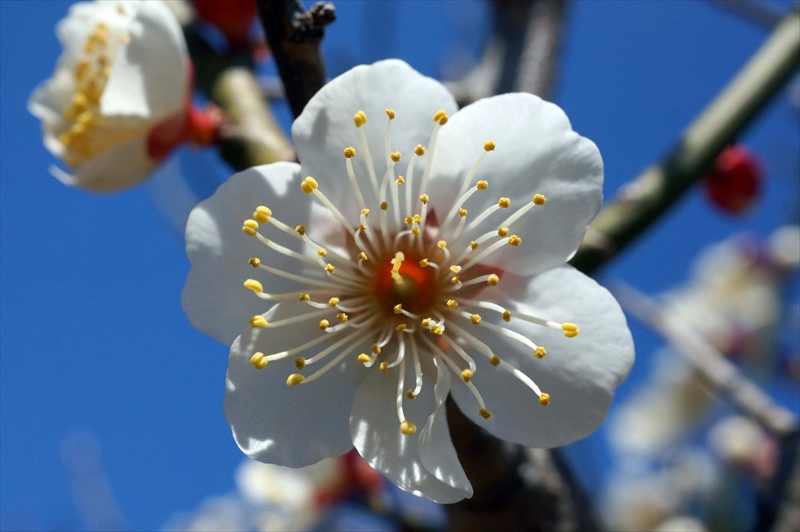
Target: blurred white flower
x,y
385,272
117,102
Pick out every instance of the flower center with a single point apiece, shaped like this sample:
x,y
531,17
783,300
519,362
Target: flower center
x,y
405,291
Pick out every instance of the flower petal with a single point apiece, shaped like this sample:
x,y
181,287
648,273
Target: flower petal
x,y
435,447
118,167
536,153
214,298
149,75
375,431
580,373
326,127
278,424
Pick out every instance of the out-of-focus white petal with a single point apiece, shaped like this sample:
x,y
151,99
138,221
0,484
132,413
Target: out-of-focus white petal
x,y
326,126
214,297
536,153
149,75
289,425
580,373
118,167
375,431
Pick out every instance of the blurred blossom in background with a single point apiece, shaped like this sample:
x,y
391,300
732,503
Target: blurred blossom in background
x,y
111,402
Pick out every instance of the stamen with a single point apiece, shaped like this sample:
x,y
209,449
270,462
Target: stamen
x,y
441,119
284,250
419,151
503,203
490,279
457,371
401,353
349,153
462,198
488,146
331,348
406,427
514,240
310,186
360,119
332,363
537,200
299,349
417,371
258,360
505,332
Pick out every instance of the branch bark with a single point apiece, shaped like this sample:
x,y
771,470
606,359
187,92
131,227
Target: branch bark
x,y
294,35
643,201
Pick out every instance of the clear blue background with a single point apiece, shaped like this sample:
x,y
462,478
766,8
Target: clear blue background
x,y
93,334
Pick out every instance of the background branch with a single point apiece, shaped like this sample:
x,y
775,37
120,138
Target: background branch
x,y
643,201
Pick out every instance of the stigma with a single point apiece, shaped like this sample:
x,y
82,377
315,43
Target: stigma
x,y
408,285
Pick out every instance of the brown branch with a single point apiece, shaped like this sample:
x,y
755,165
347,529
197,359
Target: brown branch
x,y
294,36
643,201
538,64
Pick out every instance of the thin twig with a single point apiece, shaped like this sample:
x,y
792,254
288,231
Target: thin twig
x,y
643,201
538,65
716,370
294,35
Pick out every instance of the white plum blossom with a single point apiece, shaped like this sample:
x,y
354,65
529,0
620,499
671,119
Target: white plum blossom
x,y
414,252
117,101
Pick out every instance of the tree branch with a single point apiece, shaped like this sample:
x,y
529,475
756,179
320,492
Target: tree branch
x,y
642,202
294,36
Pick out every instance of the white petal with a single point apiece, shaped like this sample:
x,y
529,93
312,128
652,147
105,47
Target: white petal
x,y
580,373
121,166
435,447
149,75
214,297
537,153
326,127
375,431
278,424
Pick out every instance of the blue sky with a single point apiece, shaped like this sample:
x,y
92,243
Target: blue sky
x,y
93,334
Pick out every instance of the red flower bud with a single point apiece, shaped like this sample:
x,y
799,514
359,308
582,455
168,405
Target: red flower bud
x,y
233,17
734,182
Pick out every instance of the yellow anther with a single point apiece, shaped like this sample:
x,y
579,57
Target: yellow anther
x,y
126,38
504,203
85,118
423,263
390,113
400,328
322,253
572,334
342,317
455,269
323,324
349,152
258,322
329,268
408,428
333,301
506,316
254,262
569,327
384,366
362,228
365,212
300,362
436,329
452,303
475,319
489,145
454,279
473,245
493,280
120,9
398,309
294,379
258,360
424,199
376,349
544,399
441,117
384,205
79,99
482,185
485,414
395,156
514,240
494,360
363,357
309,185
426,322
419,150
408,220
304,297
250,227
502,232
400,180
539,199
410,395
300,229
417,218
252,284
415,231
466,375
441,244
362,256
360,118
261,216
462,212
540,352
